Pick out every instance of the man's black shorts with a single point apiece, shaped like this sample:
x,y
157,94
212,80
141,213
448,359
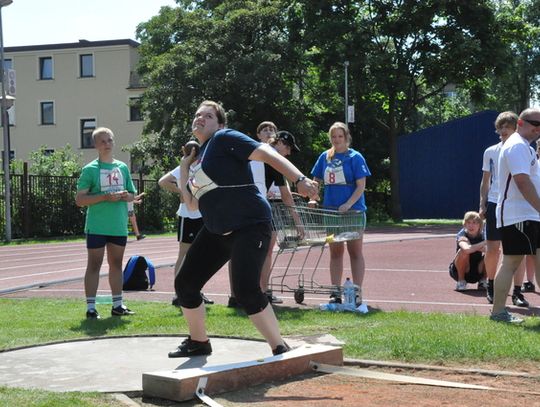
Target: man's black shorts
x,y
492,233
521,238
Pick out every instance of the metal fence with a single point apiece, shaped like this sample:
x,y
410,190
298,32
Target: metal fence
x,y
44,206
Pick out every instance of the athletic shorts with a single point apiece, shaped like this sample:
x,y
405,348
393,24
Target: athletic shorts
x,y
99,241
492,233
188,229
473,276
521,238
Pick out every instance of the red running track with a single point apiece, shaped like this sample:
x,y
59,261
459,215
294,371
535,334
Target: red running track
x,y
405,269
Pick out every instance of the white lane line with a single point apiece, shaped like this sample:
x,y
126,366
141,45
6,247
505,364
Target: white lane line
x,y
308,270
41,258
41,264
168,260
43,273
78,245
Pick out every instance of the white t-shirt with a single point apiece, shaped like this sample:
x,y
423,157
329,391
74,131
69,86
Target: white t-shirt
x,y
257,169
516,157
183,210
490,164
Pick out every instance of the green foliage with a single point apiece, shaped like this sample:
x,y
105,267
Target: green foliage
x,y
63,161
283,61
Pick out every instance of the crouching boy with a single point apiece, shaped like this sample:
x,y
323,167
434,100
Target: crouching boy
x,y
468,264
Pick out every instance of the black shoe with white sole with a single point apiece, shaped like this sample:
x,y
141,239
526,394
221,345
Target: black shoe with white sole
x,y
190,348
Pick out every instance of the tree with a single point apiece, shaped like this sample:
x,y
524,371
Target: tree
x,y
518,80
283,60
237,52
61,162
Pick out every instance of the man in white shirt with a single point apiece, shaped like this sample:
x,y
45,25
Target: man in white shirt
x,y
518,207
505,126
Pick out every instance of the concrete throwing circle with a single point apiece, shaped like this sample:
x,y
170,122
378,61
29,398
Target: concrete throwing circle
x,y
112,364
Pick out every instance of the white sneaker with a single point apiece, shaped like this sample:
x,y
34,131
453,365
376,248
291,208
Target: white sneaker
x,y
461,285
483,284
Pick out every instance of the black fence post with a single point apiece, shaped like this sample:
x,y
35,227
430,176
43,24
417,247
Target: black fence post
x,y
24,201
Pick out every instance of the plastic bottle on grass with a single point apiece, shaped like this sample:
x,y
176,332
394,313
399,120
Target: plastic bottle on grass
x,y
349,294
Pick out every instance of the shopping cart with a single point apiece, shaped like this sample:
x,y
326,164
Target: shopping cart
x,y
304,228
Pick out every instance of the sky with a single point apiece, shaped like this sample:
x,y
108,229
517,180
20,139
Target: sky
x,y
36,22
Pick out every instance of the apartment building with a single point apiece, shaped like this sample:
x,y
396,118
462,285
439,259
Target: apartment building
x,y
65,91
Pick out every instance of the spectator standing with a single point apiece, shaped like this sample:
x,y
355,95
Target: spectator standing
x,y
505,125
189,224
518,207
105,187
343,171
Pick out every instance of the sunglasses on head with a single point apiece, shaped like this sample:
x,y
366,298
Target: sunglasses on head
x,y
534,123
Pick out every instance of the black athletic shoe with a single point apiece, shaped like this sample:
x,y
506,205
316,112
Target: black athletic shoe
x,y
272,299
528,287
190,348
140,237
206,300
489,296
233,303
175,301
335,298
519,300
121,311
92,314
281,349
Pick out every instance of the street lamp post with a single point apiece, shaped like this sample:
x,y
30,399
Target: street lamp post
x,y
346,65
5,130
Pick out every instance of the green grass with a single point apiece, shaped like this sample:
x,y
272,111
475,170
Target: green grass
x,y
442,339
42,398
405,336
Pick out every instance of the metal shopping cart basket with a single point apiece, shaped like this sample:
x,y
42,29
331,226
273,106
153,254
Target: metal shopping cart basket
x,y
304,228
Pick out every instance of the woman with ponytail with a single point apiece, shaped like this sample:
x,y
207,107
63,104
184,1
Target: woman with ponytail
x,y
343,172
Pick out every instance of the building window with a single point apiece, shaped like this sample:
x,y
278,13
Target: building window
x,y
87,127
86,66
8,64
45,68
47,113
135,112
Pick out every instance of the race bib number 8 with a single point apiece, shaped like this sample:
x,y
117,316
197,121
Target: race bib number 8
x,y
334,173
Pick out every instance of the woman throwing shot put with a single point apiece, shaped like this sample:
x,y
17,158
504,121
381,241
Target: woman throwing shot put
x,y
236,225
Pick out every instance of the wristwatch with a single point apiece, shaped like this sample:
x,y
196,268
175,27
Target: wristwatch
x,y
300,179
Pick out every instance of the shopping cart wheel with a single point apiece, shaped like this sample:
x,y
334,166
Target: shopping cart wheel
x,y
299,296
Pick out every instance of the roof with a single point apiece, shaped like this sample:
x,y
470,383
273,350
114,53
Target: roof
x,y
80,44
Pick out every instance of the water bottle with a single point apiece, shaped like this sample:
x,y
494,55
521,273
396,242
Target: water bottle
x,y
103,299
349,294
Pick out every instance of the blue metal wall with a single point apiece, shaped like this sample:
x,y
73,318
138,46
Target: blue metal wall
x,y
440,168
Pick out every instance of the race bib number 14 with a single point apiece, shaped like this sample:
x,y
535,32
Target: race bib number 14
x,y
111,180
